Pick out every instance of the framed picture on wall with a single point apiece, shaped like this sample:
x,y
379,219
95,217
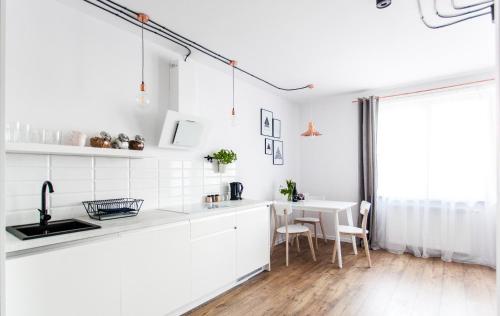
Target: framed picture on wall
x,y
278,158
266,122
276,128
268,146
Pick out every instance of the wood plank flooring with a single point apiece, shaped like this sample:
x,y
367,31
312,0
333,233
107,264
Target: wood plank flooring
x,y
396,285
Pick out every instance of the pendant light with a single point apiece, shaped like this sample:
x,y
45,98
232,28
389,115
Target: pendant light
x,y
311,129
233,63
142,98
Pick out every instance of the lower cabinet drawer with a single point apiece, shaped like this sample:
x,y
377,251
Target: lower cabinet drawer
x,y
210,225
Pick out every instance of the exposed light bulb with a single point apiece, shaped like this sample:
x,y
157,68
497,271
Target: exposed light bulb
x,y
234,122
234,118
142,98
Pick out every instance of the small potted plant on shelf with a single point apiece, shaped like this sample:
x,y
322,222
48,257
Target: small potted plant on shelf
x,y
224,157
289,190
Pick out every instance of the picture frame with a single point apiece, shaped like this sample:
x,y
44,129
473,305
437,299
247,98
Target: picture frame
x,y
268,146
278,157
266,123
276,128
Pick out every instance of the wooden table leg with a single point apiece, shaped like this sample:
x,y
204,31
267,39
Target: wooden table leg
x,y
322,228
337,237
353,238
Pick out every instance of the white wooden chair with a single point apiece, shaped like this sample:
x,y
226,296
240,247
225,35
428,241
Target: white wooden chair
x,y
289,230
314,221
364,209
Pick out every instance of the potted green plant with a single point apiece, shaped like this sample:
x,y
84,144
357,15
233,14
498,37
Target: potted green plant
x,y
224,157
288,191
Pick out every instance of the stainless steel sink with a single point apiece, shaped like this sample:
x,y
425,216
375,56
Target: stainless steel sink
x,y
67,226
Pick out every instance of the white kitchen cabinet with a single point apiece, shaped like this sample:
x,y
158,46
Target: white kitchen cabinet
x,y
213,252
155,270
159,270
79,280
252,240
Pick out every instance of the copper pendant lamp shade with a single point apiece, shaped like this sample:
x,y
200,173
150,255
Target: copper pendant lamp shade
x,y
311,130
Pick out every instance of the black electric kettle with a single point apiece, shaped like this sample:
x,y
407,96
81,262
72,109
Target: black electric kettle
x,y
236,190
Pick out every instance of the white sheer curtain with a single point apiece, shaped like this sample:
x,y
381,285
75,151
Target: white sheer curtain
x,y
436,175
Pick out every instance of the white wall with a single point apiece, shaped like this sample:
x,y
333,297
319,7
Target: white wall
x,y
329,163
497,75
79,72
2,157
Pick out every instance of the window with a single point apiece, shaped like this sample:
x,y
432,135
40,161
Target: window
x,y
436,161
439,146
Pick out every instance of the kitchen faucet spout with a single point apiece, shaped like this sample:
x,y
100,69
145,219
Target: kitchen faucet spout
x,y
44,216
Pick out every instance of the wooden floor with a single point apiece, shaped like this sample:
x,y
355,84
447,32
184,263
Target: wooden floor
x,y
396,285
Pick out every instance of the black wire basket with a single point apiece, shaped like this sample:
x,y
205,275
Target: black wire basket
x,y
114,208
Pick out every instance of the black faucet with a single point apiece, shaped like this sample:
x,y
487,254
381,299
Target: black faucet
x,y
44,216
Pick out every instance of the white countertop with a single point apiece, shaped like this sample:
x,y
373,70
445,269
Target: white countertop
x,y
144,219
203,209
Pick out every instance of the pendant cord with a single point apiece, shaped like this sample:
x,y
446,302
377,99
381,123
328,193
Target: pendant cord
x,y
142,51
233,90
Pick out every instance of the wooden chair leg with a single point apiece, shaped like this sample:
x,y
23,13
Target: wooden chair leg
x,y
298,243
286,248
322,228
354,247
334,251
274,241
316,236
367,250
309,237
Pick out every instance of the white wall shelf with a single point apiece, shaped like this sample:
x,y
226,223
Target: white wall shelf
x,y
66,150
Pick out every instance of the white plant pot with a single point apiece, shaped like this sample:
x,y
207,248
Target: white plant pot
x,y
221,167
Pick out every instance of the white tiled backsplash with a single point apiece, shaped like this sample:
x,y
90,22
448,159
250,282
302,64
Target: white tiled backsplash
x,y
160,182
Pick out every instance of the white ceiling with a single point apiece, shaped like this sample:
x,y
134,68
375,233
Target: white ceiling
x,y
340,46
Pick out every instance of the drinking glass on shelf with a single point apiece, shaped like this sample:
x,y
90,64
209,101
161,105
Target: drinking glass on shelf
x,y
53,137
23,132
8,133
58,137
37,135
12,130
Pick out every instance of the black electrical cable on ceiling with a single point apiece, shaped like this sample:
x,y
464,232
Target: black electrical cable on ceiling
x,y
133,16
272,85
170,31
179,39
138,25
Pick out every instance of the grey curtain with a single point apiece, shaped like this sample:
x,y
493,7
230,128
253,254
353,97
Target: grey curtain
x,y
368,159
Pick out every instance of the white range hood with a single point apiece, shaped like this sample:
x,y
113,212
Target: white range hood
x,y
183,127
